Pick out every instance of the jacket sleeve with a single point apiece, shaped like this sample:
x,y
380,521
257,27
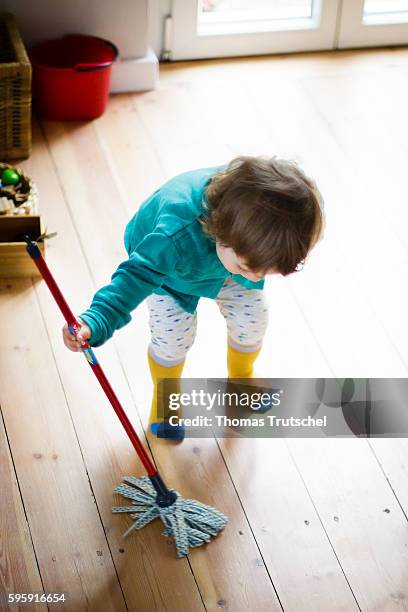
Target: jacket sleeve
x,y
146,269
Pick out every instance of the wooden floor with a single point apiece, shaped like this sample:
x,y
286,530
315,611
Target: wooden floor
x,y
315,525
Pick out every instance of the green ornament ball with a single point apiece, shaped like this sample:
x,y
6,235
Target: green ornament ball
x,y
10,177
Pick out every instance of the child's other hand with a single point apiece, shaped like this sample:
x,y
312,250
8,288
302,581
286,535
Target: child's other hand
x,y
72,342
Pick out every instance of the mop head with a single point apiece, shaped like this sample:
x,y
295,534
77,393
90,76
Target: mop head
x,y
190,523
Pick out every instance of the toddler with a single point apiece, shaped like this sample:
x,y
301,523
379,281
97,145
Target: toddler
x,y
214,232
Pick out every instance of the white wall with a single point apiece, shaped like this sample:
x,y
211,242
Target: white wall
x,y
124,22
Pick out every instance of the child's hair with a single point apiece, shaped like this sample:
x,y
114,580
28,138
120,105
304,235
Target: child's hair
x,y
267,210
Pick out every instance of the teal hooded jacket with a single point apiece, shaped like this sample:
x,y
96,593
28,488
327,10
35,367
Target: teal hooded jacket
x,y
169,253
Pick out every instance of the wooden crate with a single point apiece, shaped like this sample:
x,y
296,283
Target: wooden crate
x,y
14,259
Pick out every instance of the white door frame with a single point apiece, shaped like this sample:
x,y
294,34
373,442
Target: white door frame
x,y
312,34
374,31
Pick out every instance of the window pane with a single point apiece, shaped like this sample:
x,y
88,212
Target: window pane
x,y
376,7
224,16
255,9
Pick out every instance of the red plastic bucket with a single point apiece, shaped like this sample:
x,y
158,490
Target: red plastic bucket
x,y
71,76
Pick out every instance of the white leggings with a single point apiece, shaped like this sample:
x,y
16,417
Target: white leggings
x,y
173,329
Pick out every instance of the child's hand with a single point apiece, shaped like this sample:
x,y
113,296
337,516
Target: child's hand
x,y
72,342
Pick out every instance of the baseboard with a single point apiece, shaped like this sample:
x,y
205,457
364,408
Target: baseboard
x,y
136,74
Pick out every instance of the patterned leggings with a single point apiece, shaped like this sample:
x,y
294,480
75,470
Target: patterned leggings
x,y
173,329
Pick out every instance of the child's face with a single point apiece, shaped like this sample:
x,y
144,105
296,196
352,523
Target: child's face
x,y
236,265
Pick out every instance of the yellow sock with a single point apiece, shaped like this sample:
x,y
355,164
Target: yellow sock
x,y
240,364
159,371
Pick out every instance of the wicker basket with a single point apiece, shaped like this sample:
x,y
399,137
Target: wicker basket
x,y
15,92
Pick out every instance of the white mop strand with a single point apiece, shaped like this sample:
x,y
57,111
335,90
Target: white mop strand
x,y
189,522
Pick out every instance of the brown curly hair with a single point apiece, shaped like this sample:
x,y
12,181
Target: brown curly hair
x,y
267,210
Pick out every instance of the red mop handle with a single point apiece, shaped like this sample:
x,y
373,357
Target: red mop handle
x,y
74,326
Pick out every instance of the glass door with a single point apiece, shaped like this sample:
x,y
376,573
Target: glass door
x,y
367,23
224,28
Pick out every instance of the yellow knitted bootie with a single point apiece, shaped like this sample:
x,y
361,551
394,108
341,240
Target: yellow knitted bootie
x,y
240,364
159,425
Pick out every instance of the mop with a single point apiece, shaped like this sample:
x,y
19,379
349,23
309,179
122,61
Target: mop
x,y
190,523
